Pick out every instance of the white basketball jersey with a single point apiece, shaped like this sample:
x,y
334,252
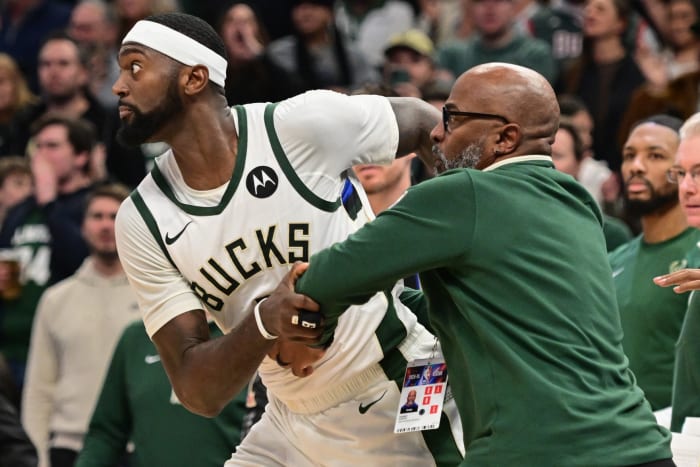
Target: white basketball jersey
x,y
234,253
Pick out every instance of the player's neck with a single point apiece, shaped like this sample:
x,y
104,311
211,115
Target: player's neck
x,y
205,148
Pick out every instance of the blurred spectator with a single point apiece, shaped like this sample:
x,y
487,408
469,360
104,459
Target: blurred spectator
x,y
93,24
439,19
317,53
44,229
63,79
274,15
76,327
605,75
651,317
496,40
679,54
252,76
15,448
25,25
683,52
560,24
138,404
15,97
409,67
676,90
567,155
369,24
16,182
594,174
525,10
459,23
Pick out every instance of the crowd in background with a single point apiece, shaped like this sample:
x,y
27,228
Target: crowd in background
x,y
613,64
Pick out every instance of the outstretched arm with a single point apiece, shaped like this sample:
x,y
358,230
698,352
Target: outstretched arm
x,y
684,280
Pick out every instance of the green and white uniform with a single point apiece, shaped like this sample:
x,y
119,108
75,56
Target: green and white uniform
x,y
651,316
226,248
686,377
512,261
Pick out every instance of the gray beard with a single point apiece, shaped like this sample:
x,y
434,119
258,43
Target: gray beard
x,y
467,159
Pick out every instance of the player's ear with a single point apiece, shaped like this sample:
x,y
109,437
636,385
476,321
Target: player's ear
x,y
195,79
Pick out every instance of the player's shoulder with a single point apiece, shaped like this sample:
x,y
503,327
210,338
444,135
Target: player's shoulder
x,y
324,105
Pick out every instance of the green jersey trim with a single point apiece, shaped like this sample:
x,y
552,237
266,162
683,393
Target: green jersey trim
x,y
290,173
150,223
162,183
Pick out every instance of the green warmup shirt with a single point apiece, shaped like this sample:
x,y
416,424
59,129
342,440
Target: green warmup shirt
x,y
138,404
686,379
512,261
651,316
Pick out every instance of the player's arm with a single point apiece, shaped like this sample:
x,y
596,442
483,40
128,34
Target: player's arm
x,y
205,373
416,119
328,132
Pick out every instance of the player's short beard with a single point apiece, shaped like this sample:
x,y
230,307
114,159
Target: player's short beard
x,y
468,158
658,202
144,125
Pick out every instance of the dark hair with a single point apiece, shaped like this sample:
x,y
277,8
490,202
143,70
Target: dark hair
x,y
81,133
116,191
579,150
10,165
570,105
193,27
61,35
197,29
666,120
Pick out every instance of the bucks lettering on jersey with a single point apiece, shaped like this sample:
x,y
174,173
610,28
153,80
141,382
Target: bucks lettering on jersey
x,y
235,252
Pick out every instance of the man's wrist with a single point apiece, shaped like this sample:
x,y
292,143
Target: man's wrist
x,y
258,320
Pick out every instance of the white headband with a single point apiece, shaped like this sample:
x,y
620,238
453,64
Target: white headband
x,y
179,47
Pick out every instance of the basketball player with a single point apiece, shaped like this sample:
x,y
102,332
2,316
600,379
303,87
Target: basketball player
x,y
241,195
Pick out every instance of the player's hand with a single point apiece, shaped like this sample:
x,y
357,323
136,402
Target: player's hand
x,y
684,280
290,315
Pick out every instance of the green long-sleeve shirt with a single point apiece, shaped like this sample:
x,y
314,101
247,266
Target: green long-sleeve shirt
x,y
137,403
519,290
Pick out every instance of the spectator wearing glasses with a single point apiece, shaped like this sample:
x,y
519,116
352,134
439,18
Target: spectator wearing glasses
x,y
686,379
651,317
509,301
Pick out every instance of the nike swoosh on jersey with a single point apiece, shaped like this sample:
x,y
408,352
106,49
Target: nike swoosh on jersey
x,y
150,359
364,408
170,240
617,272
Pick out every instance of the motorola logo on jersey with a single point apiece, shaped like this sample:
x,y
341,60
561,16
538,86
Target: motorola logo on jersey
x,y
261,182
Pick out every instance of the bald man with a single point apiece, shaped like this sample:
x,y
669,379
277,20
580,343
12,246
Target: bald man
x,y
512,259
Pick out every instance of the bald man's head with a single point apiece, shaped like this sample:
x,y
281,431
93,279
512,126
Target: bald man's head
x,y
506,110
520,94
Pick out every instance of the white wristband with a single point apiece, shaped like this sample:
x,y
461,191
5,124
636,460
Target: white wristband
x,y
258,321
